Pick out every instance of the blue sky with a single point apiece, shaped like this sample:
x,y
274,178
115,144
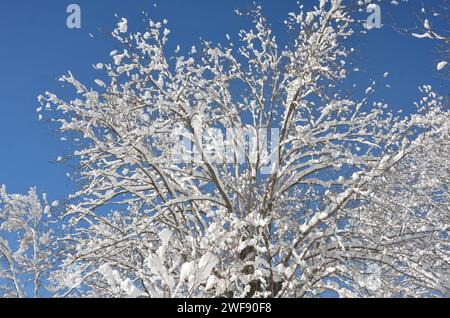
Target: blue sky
x,y
37,47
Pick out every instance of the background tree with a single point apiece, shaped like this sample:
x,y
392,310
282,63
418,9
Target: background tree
x,y
25,244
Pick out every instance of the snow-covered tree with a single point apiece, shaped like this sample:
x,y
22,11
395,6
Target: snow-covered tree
x,y
332,191
409,210
25,244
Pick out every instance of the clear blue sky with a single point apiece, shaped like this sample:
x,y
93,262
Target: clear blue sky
x,y
36,47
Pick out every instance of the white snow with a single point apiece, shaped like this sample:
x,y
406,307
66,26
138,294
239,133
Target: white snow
x,y
100,83
187,269
123,25
165,236
441,65
422,36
